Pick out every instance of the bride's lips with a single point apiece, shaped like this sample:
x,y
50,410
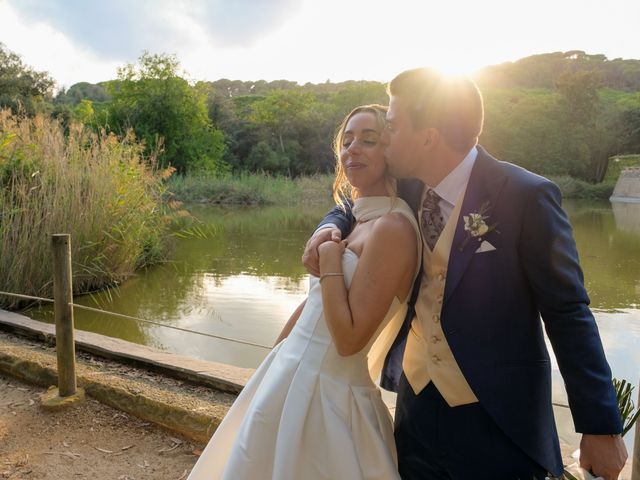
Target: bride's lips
x,y
354,165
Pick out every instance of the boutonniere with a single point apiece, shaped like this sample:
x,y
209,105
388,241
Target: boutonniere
x,y
476,226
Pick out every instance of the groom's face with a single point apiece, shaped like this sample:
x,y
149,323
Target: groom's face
x,y
404,143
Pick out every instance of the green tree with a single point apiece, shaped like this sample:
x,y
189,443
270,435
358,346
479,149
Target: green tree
x,y
544,71
588,123
282,116
164,110
630,131
83,91
83,112
21,87
523,126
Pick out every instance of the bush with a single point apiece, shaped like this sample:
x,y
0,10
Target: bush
x,y
96,187
575,188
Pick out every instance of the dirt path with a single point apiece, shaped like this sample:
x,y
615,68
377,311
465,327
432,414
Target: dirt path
x,y
90,441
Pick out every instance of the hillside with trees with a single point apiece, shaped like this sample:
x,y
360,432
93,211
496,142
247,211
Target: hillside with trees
x,y
562,113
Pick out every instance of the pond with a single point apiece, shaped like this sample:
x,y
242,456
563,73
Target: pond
x,y
244,280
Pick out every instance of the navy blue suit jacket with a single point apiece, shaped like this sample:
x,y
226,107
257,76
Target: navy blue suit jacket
x,y
493,304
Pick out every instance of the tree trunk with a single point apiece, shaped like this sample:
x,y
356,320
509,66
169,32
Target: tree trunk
x,y
281,142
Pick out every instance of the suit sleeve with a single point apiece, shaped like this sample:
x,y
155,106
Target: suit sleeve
x,y
341,218
550,260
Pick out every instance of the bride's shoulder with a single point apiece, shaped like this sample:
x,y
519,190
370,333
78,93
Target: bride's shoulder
x,y
394,227
401,210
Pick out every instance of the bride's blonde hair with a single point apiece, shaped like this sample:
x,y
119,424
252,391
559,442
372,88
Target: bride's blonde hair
x,y
342,190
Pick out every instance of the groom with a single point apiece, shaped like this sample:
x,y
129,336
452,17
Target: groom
x,y
470,365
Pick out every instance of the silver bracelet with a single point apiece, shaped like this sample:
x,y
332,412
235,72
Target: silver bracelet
x,y
330,274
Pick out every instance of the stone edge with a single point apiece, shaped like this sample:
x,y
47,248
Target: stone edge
x,y
195,426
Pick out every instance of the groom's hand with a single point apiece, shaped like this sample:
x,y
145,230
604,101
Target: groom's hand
x,y
310,258
604,455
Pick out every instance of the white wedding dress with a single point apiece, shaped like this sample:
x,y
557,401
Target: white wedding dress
x,y
308,413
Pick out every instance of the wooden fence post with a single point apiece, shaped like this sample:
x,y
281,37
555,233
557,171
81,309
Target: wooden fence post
x,y
63,297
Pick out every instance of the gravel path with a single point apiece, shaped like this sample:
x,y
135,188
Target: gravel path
x,y
90,441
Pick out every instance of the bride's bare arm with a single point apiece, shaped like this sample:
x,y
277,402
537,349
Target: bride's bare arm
x,y
385,270
290,323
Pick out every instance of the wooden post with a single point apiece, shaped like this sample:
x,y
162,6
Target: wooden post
x,y
62,296
635,465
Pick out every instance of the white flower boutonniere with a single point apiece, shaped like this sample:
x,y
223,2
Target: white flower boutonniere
x,y
476,226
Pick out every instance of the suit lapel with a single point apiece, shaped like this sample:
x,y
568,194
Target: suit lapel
x,y
484,186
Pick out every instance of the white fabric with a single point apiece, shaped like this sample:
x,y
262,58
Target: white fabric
x,y
369,208
307,412
485,247
577,471
580,473
452,186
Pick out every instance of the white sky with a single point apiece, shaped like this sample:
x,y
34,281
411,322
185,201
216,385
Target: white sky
x,y
306,40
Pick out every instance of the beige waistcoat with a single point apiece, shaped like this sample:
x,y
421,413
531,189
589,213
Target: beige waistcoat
x,y
427,355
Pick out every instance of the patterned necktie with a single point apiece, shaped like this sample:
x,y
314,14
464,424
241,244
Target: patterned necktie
x,y
432,219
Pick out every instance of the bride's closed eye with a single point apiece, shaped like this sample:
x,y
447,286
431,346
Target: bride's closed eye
x,y
367,141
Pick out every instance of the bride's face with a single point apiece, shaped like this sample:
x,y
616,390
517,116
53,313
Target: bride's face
x,y
362,154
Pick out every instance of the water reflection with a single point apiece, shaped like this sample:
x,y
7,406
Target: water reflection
x,y
627,216
609,252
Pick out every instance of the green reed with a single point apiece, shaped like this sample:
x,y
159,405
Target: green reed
x,y
96,187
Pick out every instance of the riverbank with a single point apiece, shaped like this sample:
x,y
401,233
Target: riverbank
x,y
261,189
251,189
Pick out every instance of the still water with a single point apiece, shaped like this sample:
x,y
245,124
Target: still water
x,y
245,279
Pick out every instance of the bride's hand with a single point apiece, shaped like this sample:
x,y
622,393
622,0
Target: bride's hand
x,y
310,258
332,248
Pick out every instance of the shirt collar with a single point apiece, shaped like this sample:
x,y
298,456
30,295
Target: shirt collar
x,y
454,184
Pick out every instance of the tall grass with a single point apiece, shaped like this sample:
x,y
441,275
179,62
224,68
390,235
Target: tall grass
x,y
248,189
96,187
262,189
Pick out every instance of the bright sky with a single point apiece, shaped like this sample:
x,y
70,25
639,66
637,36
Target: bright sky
x,y
308,40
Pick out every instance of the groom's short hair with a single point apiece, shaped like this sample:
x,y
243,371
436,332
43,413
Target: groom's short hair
x,y
453,105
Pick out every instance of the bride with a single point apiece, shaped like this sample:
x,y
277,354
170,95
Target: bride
x,y
311,410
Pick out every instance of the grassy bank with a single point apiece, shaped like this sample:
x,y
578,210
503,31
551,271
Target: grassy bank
x,y
579,189
619,163
98,188
249,189
258,189
574,188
